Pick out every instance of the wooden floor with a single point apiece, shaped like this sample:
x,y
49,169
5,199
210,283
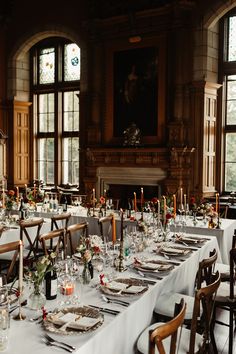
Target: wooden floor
x,y
222,333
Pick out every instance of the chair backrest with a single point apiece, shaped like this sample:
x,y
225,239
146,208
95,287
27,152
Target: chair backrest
x,y
205,270
167,329
76,231
11,247
107,227
204,298
60,218
232,263
31,240
53,241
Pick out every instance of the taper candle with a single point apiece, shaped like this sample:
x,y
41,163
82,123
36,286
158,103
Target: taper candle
x,y
217,202
181,197
164,209
174,204
113,229
141,197
17,195
185,202
135,202
93,197
121,225
3,197
20,281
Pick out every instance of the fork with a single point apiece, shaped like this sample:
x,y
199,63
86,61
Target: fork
x,y
114,301
52,340
52,344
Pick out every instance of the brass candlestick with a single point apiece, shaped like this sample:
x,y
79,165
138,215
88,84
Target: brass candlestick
x,y
121,267
218,222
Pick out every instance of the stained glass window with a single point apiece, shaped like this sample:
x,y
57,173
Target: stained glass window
x,y
72,62
56,110
47,66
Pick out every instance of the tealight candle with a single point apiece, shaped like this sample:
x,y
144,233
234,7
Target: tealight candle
x,y
67,289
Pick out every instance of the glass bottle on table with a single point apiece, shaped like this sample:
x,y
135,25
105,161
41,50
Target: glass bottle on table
x,y
22,209
64,205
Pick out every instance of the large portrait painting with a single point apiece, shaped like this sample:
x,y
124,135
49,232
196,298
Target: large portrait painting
x,y
135,90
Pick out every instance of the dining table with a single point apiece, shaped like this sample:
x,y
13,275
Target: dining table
x,y
224,233
118,332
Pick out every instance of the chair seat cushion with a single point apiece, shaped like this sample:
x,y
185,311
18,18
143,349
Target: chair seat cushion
x,y
166,303
143,341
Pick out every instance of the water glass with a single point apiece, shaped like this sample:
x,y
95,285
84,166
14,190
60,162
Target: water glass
x,y
4,318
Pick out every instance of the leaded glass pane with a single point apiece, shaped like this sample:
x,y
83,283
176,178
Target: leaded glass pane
x,y
47,66
71,111
46,160
232,36
71,62
46,114
70,163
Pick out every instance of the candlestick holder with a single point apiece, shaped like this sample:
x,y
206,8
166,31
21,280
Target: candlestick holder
x,y
218,222
20,316
93,212
141,218
121,267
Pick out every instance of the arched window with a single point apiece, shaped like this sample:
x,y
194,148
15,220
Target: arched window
x,y
55,85
228,79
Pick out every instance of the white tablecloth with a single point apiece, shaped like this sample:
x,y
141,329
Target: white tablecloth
x,y
224,234
118,334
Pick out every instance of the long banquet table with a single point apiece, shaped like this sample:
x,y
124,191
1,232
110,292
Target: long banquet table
x,y
224,234
118,334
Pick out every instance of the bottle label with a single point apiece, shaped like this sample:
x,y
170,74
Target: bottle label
x,y
53,287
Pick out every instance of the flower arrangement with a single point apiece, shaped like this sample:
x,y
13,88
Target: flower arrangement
x,y
37,274
89,247
10,199
36,195
200,206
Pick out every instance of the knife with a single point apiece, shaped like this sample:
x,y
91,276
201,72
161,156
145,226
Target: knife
x,y
105,310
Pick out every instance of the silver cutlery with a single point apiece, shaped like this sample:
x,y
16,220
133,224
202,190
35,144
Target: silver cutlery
x,y
152,275
105,310
145,281
115,301
53,344
52,340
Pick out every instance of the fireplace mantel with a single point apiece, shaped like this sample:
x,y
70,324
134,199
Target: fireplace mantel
x,y
141,176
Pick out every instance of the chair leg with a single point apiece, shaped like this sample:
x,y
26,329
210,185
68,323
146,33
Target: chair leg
x,y
213,342
231,330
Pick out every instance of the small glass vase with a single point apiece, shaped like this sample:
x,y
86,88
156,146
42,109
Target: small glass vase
x,y
86,274
37,299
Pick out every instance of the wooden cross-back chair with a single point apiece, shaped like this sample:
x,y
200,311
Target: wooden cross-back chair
x,y
107,227
54,240
27,228
15,248
60,221
190,340
167,329
74,233
165,302
224,269
226,300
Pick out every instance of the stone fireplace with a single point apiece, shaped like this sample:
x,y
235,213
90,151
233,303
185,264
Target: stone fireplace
x,y
135,177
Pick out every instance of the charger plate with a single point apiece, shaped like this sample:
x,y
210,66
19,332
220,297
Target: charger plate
x,y
73,320
124,287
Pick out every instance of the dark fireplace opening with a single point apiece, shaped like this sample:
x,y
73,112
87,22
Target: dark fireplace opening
x,y
123,193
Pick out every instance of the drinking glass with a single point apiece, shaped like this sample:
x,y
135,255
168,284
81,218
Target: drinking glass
x,y
4,318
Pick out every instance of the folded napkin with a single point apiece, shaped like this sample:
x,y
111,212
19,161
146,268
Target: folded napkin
x,y
171,250
151,266
115,285
73,321
134,289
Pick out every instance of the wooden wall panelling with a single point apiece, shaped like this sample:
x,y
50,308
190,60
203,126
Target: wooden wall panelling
x,y
21,143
